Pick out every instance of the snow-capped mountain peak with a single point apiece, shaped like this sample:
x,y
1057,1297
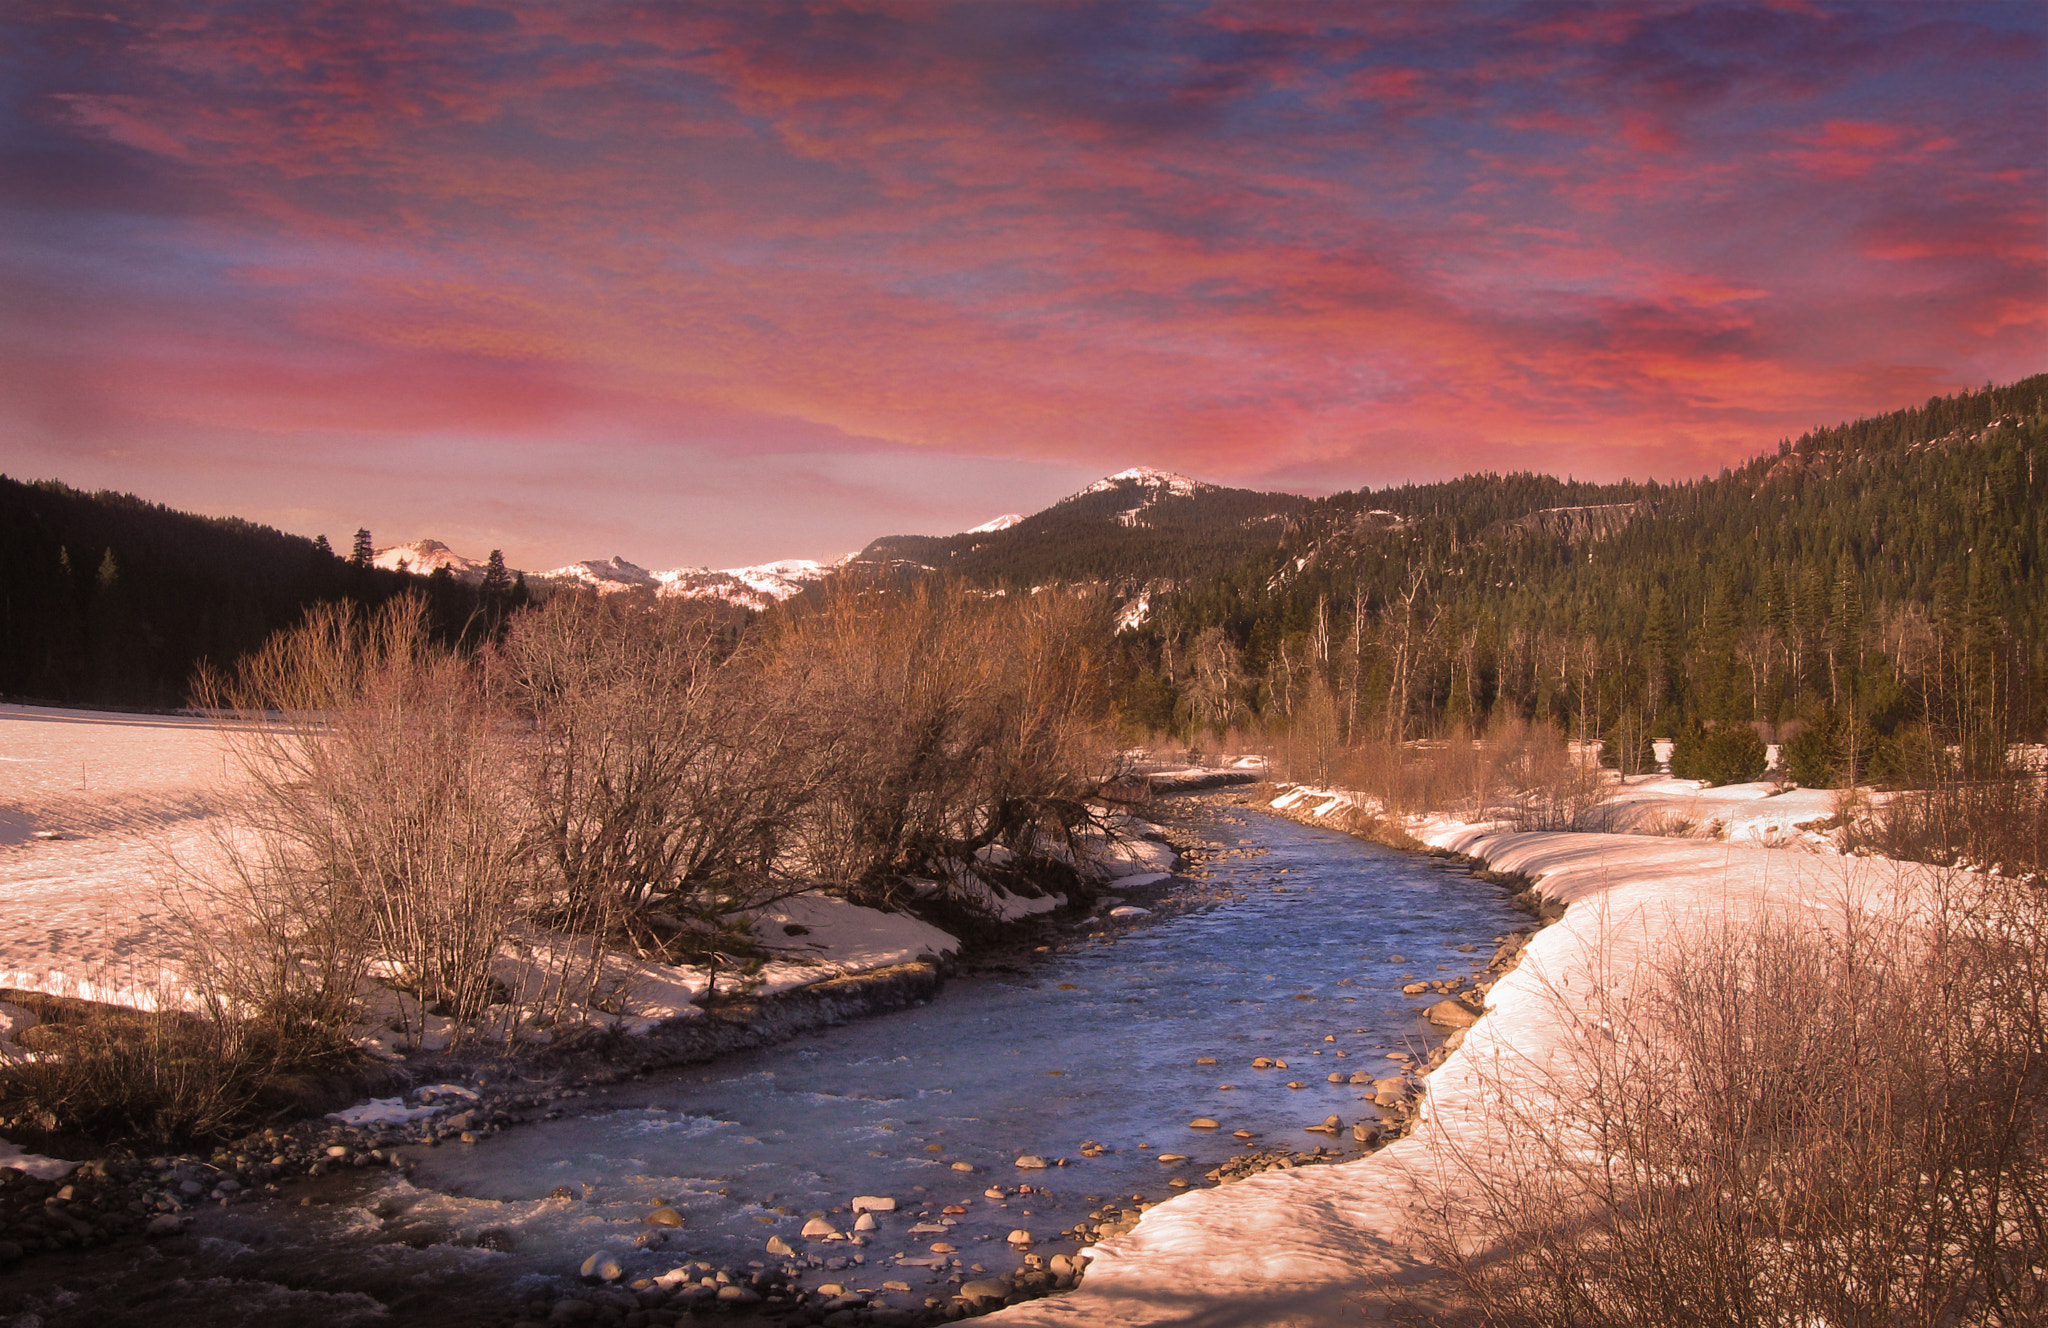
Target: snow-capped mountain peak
x,y
755,587
613,573
426,557
1180,486
991,527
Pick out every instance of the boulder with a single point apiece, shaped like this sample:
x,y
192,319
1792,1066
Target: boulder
x,y
664,1216
1452,1013
985,1289
873,1203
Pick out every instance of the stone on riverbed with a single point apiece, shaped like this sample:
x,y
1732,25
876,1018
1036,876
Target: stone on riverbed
x,y
1031,1162
874,1203
777,1245
818,1227
1203,1123
985,1289
664,1216
602,1267
865,1222
1020,1237
1452,1013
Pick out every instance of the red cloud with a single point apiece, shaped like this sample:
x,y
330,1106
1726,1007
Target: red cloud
x,y
1257,241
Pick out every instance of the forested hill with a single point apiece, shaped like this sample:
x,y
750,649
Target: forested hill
x,y
1133,528
107,599
1865,574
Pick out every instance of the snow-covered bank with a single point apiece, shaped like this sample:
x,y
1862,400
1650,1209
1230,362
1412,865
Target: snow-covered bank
x,y
1314,1246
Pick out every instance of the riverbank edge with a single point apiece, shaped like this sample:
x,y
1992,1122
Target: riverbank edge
x,y
1524,894
123,1191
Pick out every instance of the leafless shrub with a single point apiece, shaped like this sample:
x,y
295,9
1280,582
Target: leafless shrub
x,y
939,723
664,776
1997,822
377,829
1525,774
1793,1124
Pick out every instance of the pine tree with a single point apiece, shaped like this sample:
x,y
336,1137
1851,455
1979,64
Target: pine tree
x,y
322,547
364,551
1845,629
497,582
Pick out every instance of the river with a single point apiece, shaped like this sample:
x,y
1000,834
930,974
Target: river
x,y
1289,942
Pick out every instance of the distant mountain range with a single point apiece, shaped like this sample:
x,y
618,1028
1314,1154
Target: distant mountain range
x,y
753,587
1138,531
1924,512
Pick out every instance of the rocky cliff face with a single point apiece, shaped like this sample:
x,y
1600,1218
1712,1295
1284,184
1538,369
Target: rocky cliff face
x,y
1574,525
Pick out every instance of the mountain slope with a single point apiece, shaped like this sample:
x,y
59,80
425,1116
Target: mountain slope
x,y
1135,527
1883,572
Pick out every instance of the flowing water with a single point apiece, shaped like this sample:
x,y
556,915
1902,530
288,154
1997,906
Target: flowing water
x,y
1294,947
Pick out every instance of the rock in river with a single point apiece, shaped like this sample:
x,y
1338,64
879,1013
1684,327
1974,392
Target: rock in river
x,y
1452,1013
985,1289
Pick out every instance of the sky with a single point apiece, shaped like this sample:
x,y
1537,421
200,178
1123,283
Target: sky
x,y
712,284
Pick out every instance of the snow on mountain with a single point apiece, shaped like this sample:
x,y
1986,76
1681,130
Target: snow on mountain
x,y
756,587
1177,486
427,556
991,527
606,575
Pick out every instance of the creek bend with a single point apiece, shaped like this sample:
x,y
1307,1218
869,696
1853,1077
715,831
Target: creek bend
x,y
1286,937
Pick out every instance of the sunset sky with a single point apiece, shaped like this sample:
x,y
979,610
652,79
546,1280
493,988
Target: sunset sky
x,y
713,284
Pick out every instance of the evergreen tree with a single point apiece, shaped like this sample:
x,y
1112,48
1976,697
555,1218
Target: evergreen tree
x,y
363,553
497,582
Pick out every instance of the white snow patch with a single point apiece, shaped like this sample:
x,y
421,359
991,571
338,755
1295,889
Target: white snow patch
x,y
383,1111
34,1164
998,524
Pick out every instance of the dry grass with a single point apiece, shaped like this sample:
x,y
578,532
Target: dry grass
x,y
164,1076
1525,774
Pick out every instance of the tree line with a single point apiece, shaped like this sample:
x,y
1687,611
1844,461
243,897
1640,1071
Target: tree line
x,y
1875,586
106,599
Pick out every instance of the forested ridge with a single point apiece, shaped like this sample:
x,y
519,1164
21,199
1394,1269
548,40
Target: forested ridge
x,y
1878,581
108,599
1881,578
